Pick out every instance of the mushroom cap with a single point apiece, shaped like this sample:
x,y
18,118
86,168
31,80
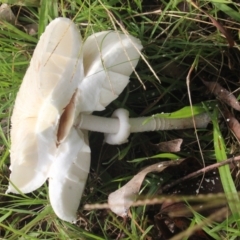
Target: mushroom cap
x,y
101,85
45,142
109,59
52,78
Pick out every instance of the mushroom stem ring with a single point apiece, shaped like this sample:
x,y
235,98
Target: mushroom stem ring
x,y
118,128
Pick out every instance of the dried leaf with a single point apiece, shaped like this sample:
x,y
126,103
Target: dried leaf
x,y
122,199
169,146
223,94
233,124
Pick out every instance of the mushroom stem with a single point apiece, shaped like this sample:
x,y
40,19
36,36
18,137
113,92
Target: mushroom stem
x,y
120,123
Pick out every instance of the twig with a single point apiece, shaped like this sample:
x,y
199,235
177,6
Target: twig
x,y
201,171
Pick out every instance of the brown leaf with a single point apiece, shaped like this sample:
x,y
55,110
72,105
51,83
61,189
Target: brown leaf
x,y
169,146
232,123
121,200
223,94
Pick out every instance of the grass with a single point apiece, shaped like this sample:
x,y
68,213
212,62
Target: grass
x,y
176,36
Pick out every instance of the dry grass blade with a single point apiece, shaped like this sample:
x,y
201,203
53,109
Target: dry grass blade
x,y
204,198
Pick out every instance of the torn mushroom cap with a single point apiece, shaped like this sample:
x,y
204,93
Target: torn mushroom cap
x,y
50,82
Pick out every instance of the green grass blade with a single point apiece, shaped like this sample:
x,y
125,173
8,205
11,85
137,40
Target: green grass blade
x,y
224,171
43,17
226,9
187,111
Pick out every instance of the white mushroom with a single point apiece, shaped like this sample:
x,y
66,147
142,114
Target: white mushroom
x,y
45,141
65,82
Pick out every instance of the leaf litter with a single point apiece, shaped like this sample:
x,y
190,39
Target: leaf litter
x,y
121,200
